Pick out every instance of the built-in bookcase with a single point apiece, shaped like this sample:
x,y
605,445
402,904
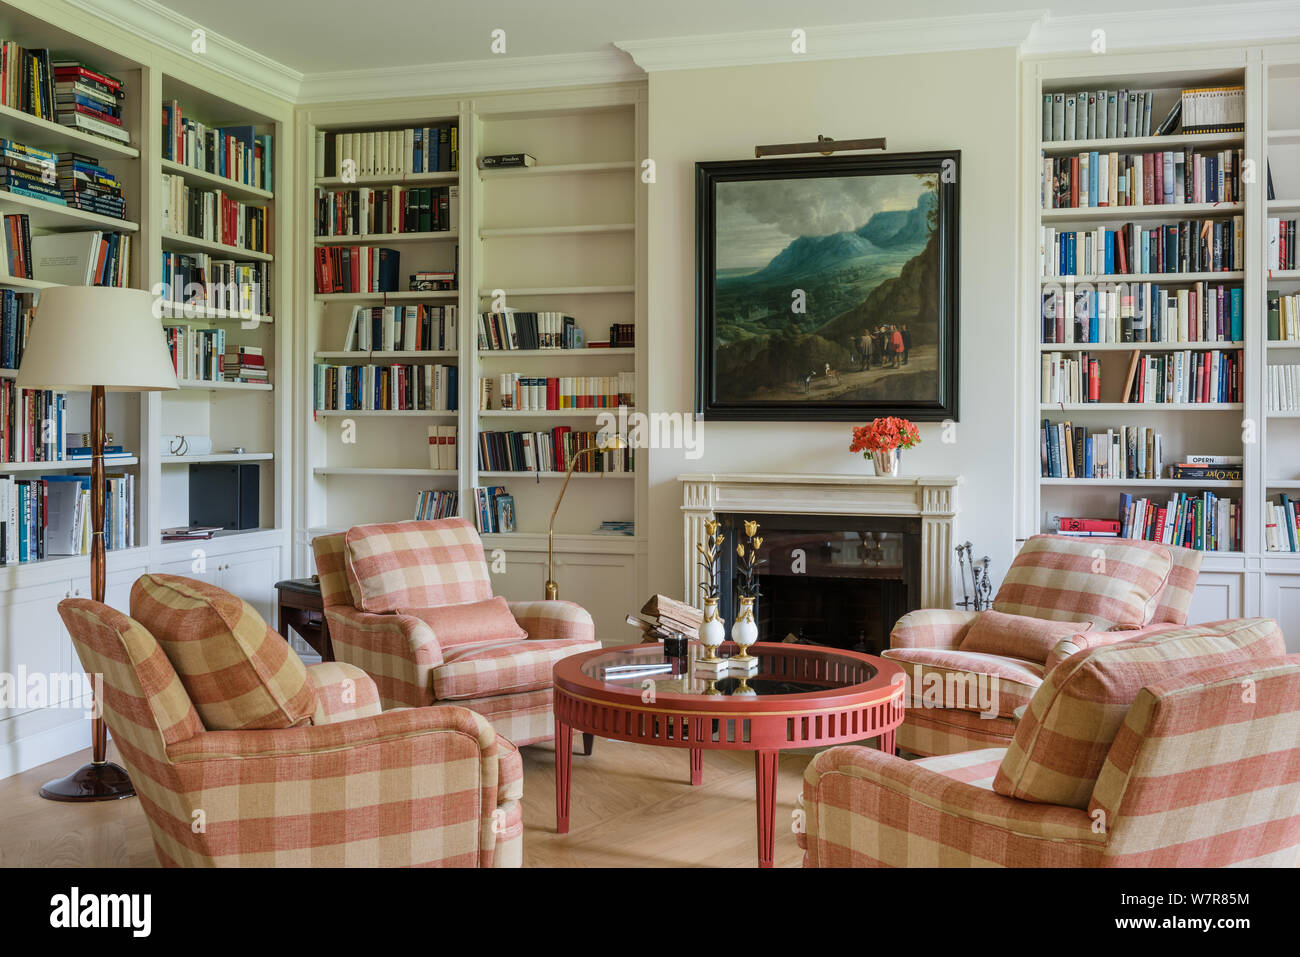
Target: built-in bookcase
x,y
566,236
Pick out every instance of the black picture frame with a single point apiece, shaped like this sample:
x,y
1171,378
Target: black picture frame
x,y
708,175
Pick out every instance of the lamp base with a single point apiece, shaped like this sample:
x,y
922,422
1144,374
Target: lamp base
x,y
91,782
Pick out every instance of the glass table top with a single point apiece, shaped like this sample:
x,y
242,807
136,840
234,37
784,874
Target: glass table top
x,y
778,672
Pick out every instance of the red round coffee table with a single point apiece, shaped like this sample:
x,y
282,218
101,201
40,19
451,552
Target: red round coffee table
x,y
802,696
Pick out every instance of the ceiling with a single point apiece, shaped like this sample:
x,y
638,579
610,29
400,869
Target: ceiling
x,y
326,36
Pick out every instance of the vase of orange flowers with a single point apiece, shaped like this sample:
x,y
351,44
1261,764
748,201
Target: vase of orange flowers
x,y
882,441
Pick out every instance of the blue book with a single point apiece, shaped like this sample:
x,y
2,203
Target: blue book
x,y
33,194
1234,298
1093,160
1094,329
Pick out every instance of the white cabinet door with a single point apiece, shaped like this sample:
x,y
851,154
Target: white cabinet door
x,y
1281,600
1217,597
252,576
32,638
199,565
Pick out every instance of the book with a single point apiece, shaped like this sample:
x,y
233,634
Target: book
x,y
504,160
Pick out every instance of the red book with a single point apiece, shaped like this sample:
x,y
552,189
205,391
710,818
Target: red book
x,y
98,115
552,393
1094,380
1074,182
355,276
68,74
1089,525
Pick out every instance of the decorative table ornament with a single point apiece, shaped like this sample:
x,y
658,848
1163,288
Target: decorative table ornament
x,y
745,630
713,632
883,439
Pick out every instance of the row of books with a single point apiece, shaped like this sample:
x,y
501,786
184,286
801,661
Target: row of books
x,y
1142,312
1116,179
84,258
199,280
30,172
548,451
16,310
1283,316
1195,245
394,388
1097,114
494,510
211,215
615,527
1280,249
1070,378
51,515
523,393
442,447
18,246
61,90
390,209
33,424
1077,451
1281,531
512,329
360,269
418,328
431,504
90,187
245,364
1284,388
420,149
622,335
1204,521
238,153
197,354
1185,377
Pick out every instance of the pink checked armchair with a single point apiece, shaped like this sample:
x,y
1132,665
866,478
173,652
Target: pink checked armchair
x,y
1115,586
309,772
1177,749
411,604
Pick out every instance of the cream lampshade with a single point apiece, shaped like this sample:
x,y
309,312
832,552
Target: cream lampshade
x,y
96,339
87,336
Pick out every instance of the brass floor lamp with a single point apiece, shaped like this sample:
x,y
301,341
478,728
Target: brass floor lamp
x,y
608,444
97,339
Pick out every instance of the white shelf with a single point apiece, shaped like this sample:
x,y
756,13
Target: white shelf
x,y
1142,483
25,128
202,178
201,385
1144,144
181,311
560,291
533,476
366,358
54,216
388,413
1284,136
1163,278
393,179
551,413
1140,407
559,169
380,472
1136,346
1287,344
1282,275
194,244
1282,205
65,466
506,232
536,542
26,285
554,353
404,296
1166,211
370,239
1284,415
217,457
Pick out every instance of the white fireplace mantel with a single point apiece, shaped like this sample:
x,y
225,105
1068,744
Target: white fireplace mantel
x,y
931,498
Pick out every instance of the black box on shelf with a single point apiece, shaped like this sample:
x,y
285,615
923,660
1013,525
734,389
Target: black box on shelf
x,y
225,495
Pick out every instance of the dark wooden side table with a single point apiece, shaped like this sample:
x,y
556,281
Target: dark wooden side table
x,y
303,610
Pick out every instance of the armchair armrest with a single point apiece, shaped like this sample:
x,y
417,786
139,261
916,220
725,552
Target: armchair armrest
x,y
412,786
863,807
398,651
1087,640
343,692
553,619
939,628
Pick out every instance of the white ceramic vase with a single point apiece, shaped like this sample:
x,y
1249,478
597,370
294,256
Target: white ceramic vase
x,y
712,630
745,630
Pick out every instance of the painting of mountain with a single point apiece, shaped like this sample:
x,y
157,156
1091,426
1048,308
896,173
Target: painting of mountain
x,y
828,293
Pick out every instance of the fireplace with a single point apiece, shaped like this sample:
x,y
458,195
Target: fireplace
x,y
873,548
840,580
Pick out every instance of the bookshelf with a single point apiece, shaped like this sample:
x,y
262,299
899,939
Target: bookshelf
x,y
1246,581
566,236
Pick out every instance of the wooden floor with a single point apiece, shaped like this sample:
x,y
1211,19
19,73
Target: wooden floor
x,y
632,806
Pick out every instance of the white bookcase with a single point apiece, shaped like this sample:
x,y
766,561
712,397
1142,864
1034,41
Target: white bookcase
x,y
1252,580
565,235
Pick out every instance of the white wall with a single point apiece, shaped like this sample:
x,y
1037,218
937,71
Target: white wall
x,y
966,101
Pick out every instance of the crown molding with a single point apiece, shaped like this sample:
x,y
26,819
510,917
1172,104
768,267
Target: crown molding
x,y
886,38
174,33
471,76
1225,24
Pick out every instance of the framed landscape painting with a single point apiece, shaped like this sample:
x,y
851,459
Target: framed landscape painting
x,y
826,287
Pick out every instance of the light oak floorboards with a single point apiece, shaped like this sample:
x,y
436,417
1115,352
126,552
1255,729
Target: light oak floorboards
x,y
632,806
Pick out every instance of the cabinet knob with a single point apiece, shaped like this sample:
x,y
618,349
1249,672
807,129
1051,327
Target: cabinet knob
x,y
76,591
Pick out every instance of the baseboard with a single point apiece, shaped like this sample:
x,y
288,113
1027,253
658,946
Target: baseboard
x,y
42,747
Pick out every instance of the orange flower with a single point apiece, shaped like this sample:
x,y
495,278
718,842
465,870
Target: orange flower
x,y
884,434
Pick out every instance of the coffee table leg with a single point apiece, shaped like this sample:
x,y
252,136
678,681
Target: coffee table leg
x,y
888,742
563,768
699,728
765,763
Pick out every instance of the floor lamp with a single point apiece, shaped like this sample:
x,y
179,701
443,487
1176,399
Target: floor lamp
x,y
607,444
97,339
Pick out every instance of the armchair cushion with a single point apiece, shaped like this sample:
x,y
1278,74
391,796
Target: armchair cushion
x,y
994,685
1060,746
1064,579
554,619
1176,598
470,622
1018,636
478,670
238,672
415,565
343,692
932,628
